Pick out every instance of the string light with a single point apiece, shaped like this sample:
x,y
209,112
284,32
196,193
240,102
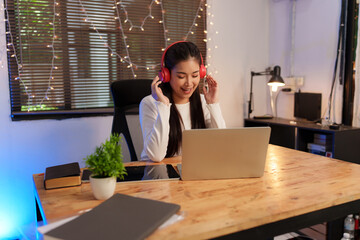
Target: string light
x,y
118,5
53,67
11,48
208,39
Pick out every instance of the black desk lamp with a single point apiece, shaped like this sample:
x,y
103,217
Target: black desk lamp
x,y
275,81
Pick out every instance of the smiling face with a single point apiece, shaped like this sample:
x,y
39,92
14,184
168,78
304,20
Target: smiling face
x,y
184,80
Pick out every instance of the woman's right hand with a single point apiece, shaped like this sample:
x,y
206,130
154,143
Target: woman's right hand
x,y
157,93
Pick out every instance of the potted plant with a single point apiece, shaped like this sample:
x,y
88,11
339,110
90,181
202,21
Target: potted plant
x,y
106,164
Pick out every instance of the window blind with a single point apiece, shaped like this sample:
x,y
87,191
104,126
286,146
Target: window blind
x,y
64,55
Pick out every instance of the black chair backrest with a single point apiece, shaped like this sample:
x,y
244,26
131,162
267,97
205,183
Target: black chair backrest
x,y
127,95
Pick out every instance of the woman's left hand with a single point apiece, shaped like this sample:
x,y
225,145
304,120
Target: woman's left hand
x,y
211,96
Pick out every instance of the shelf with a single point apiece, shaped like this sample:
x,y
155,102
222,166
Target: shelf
x,y
343,143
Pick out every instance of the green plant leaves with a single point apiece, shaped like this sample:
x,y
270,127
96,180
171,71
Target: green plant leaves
x,y
107,160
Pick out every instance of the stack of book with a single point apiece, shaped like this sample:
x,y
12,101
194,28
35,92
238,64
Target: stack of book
x,y
64,175
322,145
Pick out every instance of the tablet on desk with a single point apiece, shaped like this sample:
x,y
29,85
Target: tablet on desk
x,y
141,173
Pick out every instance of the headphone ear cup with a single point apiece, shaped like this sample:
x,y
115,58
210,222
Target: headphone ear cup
x,y
164,75
202,71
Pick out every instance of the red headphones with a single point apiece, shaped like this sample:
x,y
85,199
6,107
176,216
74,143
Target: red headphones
x,y
164,73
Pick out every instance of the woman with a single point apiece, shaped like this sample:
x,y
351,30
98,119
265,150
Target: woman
x,y
177,104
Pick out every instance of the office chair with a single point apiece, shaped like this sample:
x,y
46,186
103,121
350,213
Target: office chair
x,y
127,95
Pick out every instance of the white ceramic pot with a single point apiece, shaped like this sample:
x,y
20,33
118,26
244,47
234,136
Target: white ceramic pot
x,y
103,188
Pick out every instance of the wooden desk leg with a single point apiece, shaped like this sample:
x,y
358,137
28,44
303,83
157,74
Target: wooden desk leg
x,y
335,229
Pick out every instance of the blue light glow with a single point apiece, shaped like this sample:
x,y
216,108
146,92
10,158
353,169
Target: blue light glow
x,y
17,205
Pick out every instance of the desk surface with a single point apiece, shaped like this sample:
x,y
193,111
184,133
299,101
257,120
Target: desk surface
x,y
295,183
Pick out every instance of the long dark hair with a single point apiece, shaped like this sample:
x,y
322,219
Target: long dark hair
x,y
178,52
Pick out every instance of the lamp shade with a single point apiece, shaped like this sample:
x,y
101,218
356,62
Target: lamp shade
x,y
276,79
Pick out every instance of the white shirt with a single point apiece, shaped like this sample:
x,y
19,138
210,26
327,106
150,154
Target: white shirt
x,y
154,120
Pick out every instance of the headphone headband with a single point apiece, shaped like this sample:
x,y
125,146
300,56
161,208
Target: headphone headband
x,y
163,56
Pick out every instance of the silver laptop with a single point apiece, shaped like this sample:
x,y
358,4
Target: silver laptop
x,y
224,153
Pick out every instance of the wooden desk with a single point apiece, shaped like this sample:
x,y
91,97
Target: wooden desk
x,y
298,189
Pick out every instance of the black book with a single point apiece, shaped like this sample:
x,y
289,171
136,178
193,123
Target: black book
x,y
119,217
64,175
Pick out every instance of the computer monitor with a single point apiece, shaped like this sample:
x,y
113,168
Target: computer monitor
x,y
307,106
